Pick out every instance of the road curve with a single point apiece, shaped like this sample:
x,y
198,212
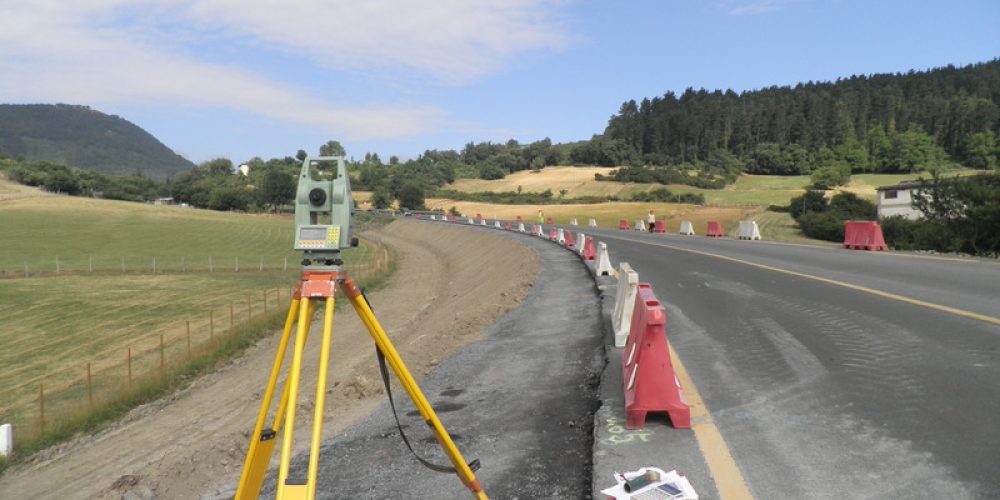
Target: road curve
x,y
834,373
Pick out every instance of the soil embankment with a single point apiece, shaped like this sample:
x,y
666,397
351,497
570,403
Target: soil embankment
x,y
449,287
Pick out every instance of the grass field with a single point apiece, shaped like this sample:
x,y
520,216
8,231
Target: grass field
x,y
53,325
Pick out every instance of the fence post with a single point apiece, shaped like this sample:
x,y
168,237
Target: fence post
x,y
237,261
249,310
211,325
123,264
91,263
262,263
26,272
58,270
183,265
210,264
285,266
90,387
265,300
154,265
130,368
231,315
161,353
188,338
41,407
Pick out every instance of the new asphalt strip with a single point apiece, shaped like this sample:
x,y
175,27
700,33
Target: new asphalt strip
x,y
521,400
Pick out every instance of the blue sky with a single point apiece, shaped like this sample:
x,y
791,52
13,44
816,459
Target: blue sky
x,y
245,78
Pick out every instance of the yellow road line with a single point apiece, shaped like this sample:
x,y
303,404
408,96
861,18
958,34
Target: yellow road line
x,y
728,478
872,291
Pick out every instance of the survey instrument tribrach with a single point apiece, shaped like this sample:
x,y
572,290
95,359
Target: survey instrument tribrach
x,y
323,209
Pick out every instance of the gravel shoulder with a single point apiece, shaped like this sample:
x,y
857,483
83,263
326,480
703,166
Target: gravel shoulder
x,y
193,442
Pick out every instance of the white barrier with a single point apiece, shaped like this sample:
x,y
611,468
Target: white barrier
x,y
572,221
542,233
592,223
561,236
621,320
471,220
640,226
520,227
749,230
603,261
497,224
686,228
581,241
6,439
433,217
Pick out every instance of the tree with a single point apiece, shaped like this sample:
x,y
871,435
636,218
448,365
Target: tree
x,y
411,196
981,150
276,189
332,148
301,155
381,198
810,201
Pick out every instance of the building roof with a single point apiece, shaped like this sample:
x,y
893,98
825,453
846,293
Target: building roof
x,y
902,186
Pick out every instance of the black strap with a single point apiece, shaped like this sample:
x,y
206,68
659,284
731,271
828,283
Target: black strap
x,y
473,465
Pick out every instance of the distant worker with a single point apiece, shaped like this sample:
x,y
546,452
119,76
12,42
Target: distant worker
x,y
541,217
651,219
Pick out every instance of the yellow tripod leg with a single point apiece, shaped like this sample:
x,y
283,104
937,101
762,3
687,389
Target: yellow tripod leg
x,y
424,407
262,445
317,433
286,491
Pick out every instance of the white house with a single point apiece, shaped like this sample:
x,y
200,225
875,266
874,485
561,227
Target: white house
x,y
898,200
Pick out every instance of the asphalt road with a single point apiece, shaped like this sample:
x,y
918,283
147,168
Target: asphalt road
x,y
827,391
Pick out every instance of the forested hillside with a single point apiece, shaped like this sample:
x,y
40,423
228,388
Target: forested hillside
x,y
81,137
881,123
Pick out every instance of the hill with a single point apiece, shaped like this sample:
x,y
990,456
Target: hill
x,y
888,123
81,137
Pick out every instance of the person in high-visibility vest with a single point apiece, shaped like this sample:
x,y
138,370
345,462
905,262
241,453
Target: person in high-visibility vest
x,y
652,220
541,217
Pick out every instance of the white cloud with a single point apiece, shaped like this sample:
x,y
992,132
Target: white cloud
x,y
111,51
754,7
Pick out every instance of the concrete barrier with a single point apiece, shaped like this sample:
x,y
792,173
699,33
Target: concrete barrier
x,y
561,236
497,224
603,261
623,225
640,226
572,221
581,242
592,223
589,253
749,230
6,439
548,220
520,227
687,228
553,233
647,372
714,230
570,242
659,227
482,222
621,319
863,235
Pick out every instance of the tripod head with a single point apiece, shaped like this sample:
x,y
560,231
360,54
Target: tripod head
x,y
323,209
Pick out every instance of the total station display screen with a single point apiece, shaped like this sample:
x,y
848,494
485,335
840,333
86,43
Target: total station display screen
x,y
312,233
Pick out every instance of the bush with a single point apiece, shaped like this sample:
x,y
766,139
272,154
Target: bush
x,y
830,176
822,225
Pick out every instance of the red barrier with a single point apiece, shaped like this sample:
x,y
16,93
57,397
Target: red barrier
x,y
536,230
419,217
549,220
623,225
519,219
714,230
553,233
588,249
863,235
506,226
569,239
659,227
647,373
451,218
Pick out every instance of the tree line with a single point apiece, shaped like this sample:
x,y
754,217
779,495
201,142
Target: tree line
x,y
889,123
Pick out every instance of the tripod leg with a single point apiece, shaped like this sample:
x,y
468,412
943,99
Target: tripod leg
x,y
423,406
285,491
317,433
262,443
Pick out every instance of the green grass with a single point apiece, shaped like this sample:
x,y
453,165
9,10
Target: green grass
x,y
53,326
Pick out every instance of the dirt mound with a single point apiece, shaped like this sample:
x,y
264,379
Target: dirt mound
x,y
451,284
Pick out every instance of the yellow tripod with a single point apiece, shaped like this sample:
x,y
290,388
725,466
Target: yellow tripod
x,y
313,288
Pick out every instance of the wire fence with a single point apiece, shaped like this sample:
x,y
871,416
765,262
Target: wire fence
x,y
37,404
